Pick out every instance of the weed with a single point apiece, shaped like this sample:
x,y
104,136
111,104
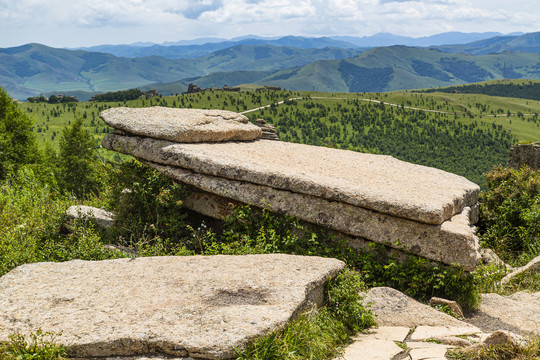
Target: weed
x,y
41,346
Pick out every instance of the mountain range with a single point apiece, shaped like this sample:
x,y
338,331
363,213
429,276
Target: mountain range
x,y
324,64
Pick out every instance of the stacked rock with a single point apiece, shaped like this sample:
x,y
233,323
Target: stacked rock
x,y
413,208
268,130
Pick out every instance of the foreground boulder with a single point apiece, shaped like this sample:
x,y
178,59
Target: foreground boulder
x,y
422,210
196,306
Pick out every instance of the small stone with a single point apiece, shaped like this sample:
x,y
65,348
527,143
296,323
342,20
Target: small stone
x,y
422,333
427,351
101,217
182,125
452,305
501,337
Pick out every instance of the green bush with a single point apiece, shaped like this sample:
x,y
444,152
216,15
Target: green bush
x,y
148,207
17,141
510,213
41,346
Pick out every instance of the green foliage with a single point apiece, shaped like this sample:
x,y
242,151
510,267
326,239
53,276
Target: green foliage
x,y
41,346
123,95
510,213
317,334
31,218
527,350
525,90
148,206
78,170
17,142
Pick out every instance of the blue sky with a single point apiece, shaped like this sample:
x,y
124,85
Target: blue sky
x,y
72,23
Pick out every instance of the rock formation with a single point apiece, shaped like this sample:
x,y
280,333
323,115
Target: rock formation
x,y
421,210
197,306
525,154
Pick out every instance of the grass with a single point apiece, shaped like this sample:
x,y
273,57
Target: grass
x,y
40,345
527,350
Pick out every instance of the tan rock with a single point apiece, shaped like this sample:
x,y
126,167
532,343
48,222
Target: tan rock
x,y
427,351
182,125
377,182
194,306
452,305
101,217
517,312
532,267
422,333
453,242
378,343
501,337
393,308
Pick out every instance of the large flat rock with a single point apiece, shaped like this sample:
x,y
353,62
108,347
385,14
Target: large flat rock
x,y
377,182
453,242
195,306
182,125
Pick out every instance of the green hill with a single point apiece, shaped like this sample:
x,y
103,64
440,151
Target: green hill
x,y
33,69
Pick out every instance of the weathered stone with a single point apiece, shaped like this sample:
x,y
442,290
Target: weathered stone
x,y
533,267
422,333
452,305
194,306
488,257
427,351
377,344
517,312
451,340
393,308
101,217
450,243
268,130
182,125
525,154
377,182
501,337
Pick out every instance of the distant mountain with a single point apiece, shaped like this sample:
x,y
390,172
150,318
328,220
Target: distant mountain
x,y
385,39
33,69
387,69
529,43
187,50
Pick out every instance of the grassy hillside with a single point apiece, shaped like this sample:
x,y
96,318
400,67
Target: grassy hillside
x,y
33,69
462,133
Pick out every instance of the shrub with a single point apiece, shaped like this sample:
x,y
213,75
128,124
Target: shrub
x,y
41,346
510,213
17,142
148,206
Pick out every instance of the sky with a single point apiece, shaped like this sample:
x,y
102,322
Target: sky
x,y
78,23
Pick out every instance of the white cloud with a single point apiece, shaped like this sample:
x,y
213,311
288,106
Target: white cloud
x,y
102,21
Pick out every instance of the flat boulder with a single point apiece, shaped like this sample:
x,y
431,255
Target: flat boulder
x,y
377,182
182,125
198,306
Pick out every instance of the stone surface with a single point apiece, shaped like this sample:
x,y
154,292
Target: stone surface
x,y
452,305
182,125
176,306
525,154
268,130
501,337
452,242
427,351
430,332
533,267
518,313
377,182
379,343
102,217
393,308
